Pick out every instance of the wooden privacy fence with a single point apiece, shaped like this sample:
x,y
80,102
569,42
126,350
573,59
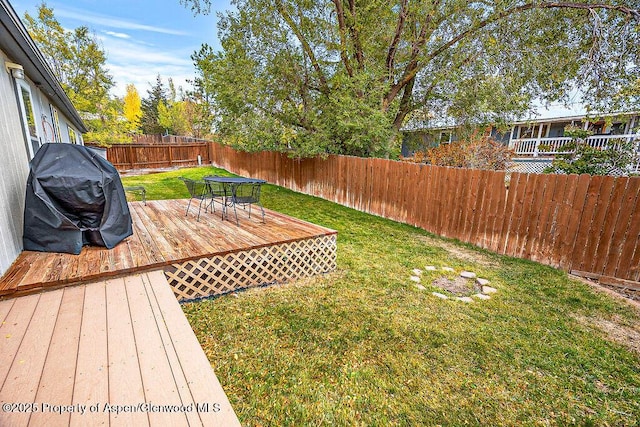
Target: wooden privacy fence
x,y
141,156
589,225
165,139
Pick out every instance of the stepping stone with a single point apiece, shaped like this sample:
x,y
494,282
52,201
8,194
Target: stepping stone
x,y
482,296
417,271
439,295
489,290
482,282
468,275
422,288
465,299
430,268
415,279
447,269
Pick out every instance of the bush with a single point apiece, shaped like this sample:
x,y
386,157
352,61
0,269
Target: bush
x,y
476,153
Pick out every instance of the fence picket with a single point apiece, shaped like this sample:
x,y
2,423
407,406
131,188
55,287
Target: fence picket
x,y
609,223
623,236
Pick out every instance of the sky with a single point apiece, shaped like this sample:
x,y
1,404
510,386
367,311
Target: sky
x,y
142,38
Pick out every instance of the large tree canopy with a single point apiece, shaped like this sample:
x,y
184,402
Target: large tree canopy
x,y
343,76
75,57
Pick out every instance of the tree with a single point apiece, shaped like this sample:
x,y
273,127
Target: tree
x,y
343,76
132,108
171,113
51,38
75,57
156,95
199,116
108,127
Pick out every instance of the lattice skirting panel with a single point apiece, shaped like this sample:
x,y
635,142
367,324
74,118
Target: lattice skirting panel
x,y
222,274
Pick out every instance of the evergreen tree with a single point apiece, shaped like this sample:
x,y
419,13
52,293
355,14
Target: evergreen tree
x,y
149,121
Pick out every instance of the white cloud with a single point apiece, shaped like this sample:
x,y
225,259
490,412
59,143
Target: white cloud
x,y
131,62
106,21
118,35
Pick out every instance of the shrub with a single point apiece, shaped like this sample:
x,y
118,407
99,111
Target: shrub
x,y
476,153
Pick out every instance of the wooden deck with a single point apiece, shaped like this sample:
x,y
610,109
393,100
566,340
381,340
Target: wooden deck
x,y
117,352
162,237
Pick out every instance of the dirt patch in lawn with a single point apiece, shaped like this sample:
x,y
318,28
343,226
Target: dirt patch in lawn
x,y
627,336
459,286
461,253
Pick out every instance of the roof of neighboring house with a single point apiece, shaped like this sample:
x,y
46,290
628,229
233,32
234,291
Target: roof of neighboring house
x,y
20,48
549,119
577,117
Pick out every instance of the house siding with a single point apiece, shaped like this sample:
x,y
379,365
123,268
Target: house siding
x,y
14,158
14,172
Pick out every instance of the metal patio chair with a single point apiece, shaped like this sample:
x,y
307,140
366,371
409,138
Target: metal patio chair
x,y
138,189
217,193
198,190
246,195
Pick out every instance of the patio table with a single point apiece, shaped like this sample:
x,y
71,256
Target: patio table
x,y
238,191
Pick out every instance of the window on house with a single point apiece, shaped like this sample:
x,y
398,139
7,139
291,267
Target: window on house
x,y
528,132
617,128
597,128
57,136
445,137
28,117
72,136
533,131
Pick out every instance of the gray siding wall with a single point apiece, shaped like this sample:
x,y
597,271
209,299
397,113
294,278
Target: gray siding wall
x,y
14,170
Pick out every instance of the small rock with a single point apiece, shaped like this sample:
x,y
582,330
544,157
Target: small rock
x,y
482,282
489,290
430,268
447,269
235,295
415,279
439,295
419,286
417,271
468,275
482,296
464,299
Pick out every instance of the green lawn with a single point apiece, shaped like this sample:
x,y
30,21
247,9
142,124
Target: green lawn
x,y
364,346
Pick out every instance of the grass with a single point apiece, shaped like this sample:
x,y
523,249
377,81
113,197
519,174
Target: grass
x,y
364,346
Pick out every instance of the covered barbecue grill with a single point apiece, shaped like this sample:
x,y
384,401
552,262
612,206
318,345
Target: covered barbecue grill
x,y
74,198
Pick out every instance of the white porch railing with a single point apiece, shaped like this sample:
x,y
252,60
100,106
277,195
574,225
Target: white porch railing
x,y
536,147
551,146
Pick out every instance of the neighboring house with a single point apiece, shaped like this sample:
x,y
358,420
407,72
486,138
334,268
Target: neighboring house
x,y
543,137
33,110
546,137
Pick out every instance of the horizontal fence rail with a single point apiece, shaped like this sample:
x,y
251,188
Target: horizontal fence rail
x,y
580,223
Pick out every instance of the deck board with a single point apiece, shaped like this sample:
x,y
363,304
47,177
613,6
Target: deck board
x,y
92,372
162,235
58,375
120,341
25,371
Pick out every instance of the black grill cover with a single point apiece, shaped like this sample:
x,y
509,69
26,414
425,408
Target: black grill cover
x,y
74,198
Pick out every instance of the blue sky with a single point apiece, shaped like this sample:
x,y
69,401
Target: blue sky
x,y
142,38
